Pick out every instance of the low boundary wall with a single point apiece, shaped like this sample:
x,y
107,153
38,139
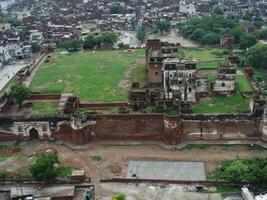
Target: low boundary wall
x,y
44,97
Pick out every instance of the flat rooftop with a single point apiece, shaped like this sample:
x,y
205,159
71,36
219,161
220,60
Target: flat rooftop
x,y
167,170
7,74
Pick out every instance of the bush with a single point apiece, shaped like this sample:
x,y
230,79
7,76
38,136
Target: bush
x,y
20,93
256,56
43,168
71,45
248,170
96,158
119,197
4,174
63,171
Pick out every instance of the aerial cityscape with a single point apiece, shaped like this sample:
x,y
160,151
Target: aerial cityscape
x,y
133,100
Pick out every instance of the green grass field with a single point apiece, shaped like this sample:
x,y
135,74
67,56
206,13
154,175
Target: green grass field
x,y
243,84
44,108
93,76
223,104
208,58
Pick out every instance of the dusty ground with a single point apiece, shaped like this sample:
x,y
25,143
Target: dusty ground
x,y
114,159
174,37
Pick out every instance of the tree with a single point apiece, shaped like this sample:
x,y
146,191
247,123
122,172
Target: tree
x,y
89,42
197,34
12,21
256,56
238,32
214,2
248,170
43,168
248,16
35,47
211,38
247,41
20,93
115,9
218,11
109,37
71,44
163,26
237,171
141,34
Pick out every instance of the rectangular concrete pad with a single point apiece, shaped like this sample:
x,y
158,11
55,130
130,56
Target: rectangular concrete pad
x,y
167,170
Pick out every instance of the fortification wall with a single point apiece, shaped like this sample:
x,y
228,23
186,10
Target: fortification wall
x,y
127,127
216,130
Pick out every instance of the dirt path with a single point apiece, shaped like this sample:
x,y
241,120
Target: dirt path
x,y
125,83
174,37
38,63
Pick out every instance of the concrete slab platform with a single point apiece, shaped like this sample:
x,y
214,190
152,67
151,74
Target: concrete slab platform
x,y
167,170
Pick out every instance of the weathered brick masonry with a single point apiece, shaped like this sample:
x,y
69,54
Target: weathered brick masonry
x,y
139,127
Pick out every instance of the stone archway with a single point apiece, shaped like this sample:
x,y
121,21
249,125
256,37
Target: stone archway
x,y
34,135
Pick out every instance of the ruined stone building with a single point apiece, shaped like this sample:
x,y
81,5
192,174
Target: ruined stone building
x,y
156,53
225,82
179,79
166,68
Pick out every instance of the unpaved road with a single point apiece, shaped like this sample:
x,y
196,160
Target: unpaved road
x,y
174,37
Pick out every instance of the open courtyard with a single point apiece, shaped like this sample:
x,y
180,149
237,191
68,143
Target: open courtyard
x,y
106,76
101,76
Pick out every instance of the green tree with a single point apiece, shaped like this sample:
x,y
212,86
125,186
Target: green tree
x,y
247,41
116,9
43,168
119,197
237,171
109,37
35,47
197,34
163,26
238,32
4,174
258,23
256,56
10,20
211,38
121,45
71,44
20,93
89,42
248,170
214,2
248,16
218,11
141,34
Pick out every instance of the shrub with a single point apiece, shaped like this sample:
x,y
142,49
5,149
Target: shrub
x,y
4,174
96,158
43,168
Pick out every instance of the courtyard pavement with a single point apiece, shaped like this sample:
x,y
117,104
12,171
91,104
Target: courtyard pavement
x,y
167,170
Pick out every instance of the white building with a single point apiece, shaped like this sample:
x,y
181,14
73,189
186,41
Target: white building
x,y
187,8
179,78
